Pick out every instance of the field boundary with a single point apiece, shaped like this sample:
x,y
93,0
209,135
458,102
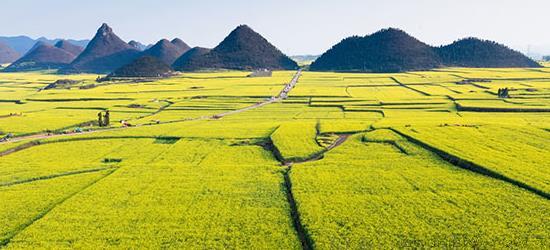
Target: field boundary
x,y
303,235
459,107
40,142
391,143
20,148
93,138
49,177
48,209
410,88
162,108
471,166
313,157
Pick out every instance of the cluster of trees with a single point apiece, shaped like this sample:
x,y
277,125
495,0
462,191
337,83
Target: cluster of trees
x,y
103,120
393,50
546,58
503,93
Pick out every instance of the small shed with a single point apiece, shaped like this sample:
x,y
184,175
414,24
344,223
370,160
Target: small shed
x,y
261,73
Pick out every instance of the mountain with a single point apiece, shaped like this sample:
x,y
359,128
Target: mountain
x,y
388,50
137,45
7,54
68,46
145,66
477,53
189,55
79,43
105,53
44,56
393,50
22,44
180,44
36,45
166,51
243,49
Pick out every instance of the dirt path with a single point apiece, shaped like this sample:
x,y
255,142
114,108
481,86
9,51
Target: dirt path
x,y
281,96
46,136
341,139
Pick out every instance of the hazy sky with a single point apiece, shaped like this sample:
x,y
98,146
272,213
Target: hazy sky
x,y
296,27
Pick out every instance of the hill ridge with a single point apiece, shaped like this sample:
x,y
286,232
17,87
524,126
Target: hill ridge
x,y
393,50
144,66
480,53
42,56
242,49
387,50
166,51
105,53
7,54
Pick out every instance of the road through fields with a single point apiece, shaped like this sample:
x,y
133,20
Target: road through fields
x,y
281,96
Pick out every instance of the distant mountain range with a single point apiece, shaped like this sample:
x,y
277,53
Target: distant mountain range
x,y
22,44
46,56
242,49
388,50
7,54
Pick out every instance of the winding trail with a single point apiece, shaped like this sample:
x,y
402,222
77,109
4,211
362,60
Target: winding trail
x,y
341,139
281,96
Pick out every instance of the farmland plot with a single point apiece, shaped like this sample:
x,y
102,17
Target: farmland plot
x,y
322,168
374,194
523,156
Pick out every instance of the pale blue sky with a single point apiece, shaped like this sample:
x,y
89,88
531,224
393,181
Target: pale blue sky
x,y
296,27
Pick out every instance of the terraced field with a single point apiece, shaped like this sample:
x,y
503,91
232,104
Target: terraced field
x,y
215,160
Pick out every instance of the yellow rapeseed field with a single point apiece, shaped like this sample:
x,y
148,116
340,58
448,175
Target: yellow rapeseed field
x,y
216,161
